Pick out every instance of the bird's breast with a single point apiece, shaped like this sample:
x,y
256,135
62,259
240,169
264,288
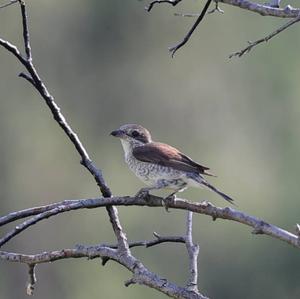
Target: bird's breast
x,y
150,173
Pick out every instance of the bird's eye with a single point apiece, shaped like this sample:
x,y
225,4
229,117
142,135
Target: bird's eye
x,y
135,133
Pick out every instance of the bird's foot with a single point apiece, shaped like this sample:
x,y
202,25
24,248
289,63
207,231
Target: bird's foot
x,y
273,3
142,194
167,201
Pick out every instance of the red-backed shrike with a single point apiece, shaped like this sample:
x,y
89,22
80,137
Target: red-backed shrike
x,y
160,165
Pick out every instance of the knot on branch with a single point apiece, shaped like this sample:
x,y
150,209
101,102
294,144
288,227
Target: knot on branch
x,y
259,228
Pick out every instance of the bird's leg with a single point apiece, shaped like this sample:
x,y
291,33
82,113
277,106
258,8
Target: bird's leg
x,y
144,192
171,197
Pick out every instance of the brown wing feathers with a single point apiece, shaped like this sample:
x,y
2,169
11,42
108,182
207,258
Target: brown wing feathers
x,y
166,155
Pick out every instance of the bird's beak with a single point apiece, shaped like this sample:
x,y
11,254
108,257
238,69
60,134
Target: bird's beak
x,y
118,133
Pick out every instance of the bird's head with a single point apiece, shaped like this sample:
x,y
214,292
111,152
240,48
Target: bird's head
x,y
132,135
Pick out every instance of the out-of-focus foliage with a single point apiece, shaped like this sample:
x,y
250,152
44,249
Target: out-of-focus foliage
x,y
106,62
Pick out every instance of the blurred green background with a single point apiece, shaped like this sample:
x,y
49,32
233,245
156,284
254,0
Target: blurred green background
x,y
106,62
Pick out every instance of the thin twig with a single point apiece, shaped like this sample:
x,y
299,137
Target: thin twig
x,y
26,36
12,49
174,49
189,15
8,4
27,77
193,251
172,2
32,280
264,39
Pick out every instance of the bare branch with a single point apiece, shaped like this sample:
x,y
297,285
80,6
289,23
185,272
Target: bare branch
x,y
141,274
32,279
151,243
267,9
31,212
172,2
12,49
264,9
174,49
154,201
27,77
9,3
193,251
189,15
26,37
38,84
264,39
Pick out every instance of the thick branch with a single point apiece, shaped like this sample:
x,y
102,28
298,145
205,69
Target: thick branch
x,y
259,226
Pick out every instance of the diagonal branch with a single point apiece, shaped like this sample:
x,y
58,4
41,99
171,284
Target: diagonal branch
x,y
174,49
11,2
264,39
38,84
13,50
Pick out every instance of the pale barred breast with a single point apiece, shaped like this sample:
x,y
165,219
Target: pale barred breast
x,y
151,172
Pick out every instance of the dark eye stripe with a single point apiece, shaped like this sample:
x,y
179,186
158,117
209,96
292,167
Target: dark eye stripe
x,y
135,133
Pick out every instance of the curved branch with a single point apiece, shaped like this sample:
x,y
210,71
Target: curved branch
x,y
205,208
141,274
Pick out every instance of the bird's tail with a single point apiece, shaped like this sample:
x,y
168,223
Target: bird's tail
x,y
226,197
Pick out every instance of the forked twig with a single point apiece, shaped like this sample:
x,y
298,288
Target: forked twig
x,y
264,39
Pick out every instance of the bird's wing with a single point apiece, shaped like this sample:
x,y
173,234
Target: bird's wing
x,y
166,155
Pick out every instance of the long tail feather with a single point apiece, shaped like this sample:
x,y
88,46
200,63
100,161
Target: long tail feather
x,y
226,197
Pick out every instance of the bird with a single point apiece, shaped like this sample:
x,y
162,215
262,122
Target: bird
x,y
159,165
